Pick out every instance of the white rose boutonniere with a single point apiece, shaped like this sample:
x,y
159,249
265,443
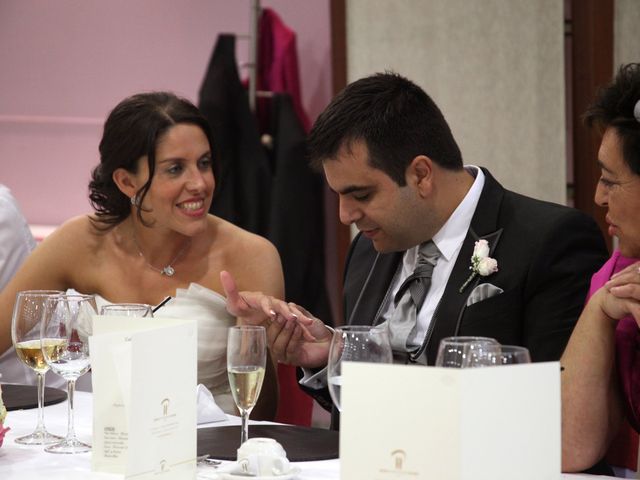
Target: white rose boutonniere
x,y
481,263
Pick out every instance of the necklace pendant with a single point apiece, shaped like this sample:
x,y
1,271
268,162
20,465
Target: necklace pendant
x,y
168,271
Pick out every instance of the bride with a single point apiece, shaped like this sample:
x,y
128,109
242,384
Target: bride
x,y
151,235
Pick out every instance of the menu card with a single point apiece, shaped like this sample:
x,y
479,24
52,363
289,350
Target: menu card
x,y
495,423
144,374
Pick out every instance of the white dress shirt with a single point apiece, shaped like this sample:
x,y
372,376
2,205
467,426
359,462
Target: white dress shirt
x,y
16,243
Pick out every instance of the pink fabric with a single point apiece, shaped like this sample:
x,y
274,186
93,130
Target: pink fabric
x,y
3,430
603,275
624,449
278,61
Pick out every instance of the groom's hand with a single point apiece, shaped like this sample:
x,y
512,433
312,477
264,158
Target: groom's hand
x,y
303,342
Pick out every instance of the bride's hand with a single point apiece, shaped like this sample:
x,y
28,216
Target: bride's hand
x,y
294,335
254,308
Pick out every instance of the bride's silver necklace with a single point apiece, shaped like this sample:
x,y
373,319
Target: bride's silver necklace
x,y
168,270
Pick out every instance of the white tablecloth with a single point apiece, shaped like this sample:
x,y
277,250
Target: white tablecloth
x,y
20,462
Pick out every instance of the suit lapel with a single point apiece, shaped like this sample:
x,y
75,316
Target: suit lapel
x,y
374,289
484,225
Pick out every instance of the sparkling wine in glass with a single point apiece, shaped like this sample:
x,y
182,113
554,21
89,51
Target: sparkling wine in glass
x,y
68,321
25,334
355,343
246,362
127,309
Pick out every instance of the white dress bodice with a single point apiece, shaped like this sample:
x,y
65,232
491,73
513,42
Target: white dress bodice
x,y
208,309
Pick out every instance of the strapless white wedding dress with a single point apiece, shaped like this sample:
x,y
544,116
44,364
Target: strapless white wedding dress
x,y
208,308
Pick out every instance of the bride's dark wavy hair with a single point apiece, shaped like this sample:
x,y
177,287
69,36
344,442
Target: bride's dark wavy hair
x,y
132,131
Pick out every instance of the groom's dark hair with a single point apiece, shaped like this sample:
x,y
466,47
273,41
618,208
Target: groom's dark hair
x,y
396,120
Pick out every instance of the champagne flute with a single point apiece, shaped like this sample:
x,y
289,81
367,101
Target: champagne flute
x,y
246,362
127,309
25,334
458,352
67,321
355,343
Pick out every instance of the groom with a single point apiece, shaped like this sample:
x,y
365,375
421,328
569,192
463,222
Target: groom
x,y
443,248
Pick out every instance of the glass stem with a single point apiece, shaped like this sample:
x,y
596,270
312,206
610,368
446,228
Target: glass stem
x,y
244,436
40,427
71,388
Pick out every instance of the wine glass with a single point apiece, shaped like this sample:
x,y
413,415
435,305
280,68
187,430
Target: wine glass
x,y
127,309
457,352
503,355
246,362
355,343
25,334
513,354
67,323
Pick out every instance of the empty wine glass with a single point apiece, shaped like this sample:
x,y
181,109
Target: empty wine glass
x,y
355,343
25,334
127,309
504,355
457,352
246,362
67,323
513,354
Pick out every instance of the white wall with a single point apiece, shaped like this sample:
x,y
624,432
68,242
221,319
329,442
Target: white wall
x,y
626,33
495,68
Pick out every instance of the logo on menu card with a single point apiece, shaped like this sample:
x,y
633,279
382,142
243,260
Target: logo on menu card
x,y
398,460
166,414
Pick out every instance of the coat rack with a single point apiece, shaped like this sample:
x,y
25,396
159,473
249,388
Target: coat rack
x,y
253,52
252,64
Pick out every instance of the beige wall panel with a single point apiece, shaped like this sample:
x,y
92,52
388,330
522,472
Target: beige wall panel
x,y
495,68
626,33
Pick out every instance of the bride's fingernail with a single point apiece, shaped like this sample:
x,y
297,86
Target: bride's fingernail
x,y
272,312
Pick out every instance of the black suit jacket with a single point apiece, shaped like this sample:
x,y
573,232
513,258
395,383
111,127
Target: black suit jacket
x,y
546,255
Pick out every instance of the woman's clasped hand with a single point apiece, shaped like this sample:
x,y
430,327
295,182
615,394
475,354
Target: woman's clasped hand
x,y
623,294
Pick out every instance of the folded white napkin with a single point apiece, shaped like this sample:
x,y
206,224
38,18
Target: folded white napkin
x,y
208,411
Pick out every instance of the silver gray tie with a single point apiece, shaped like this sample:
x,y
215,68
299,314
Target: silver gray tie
x,y
410,297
